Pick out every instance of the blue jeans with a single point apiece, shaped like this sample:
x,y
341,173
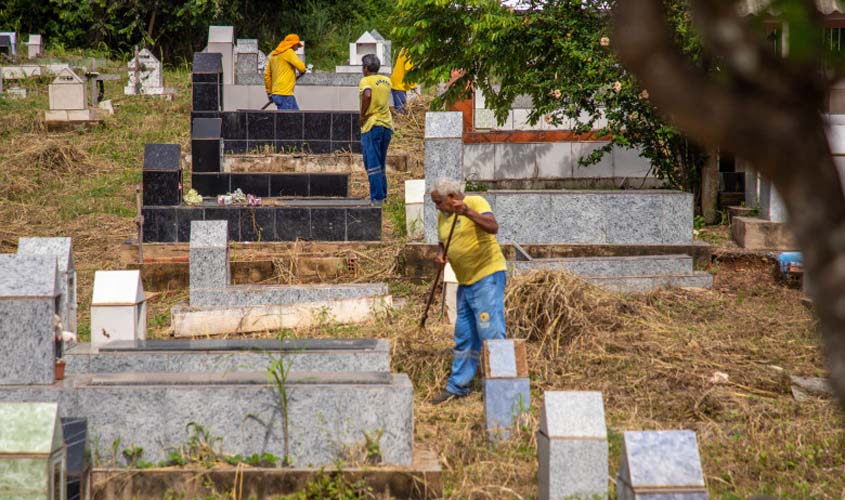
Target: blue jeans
x,y
400,97
285,102
374,147
481,316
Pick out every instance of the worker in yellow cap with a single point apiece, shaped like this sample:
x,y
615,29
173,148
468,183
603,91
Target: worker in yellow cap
x,y
280,74
398,87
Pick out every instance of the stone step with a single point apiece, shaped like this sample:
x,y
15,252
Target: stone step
x,y
650,265
696,279
181,356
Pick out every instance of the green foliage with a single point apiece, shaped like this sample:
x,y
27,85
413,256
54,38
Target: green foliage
x,y
394,208
201,445
557,52
277,375
335,486
698,222
135,458
263,460
472,187
174,457
178,29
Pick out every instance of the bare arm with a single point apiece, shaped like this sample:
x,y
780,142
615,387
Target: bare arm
x,y
366,100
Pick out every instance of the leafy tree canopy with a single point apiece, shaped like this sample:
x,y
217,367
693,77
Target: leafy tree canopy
x,y
559,53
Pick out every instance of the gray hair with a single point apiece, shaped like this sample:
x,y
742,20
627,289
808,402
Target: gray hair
x,y
371,62
446,186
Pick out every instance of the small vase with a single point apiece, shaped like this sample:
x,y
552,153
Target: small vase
x,y
60,369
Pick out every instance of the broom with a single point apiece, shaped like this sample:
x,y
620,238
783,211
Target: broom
x,y
439,272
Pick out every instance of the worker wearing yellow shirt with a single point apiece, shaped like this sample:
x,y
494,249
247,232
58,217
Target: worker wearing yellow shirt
x,y
481,270
376,126
280,73
399,89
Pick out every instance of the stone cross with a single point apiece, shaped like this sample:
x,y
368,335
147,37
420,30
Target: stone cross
x,y
145,76
572,446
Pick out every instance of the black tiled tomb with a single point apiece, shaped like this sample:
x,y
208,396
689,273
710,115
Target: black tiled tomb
x,y
75,433
207,62
317,147
161,188
206,97
210,184
328,224
234,125
289,126
183,220
363,224
293,223
207,128
261,126
289,185
260,146
161,156
288,146
234,147
254,184
342,127
205,155
329,185
258,224
232,215
317,126
159,224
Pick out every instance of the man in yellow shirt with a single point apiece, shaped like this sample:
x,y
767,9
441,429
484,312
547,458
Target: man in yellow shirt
x,y
481,270
280,73
376,126
399,89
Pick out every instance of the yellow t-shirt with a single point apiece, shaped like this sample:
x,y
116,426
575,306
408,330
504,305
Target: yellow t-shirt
x,y
474,253
279,75
397,78
379,110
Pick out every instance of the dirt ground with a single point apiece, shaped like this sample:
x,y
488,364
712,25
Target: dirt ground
x,y
652,355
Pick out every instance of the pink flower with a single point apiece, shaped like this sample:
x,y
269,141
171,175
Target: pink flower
x,y
605,41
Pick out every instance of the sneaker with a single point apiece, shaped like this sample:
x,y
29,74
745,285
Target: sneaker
x,y
445,396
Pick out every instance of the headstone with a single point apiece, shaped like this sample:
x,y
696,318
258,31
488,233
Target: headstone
x,y
246,63
68,92
118,307
62,250
209,256
162,175
221,39
32,452
145,76
205,145
444,150
207,82
414,201
660,465
29,300
9,43
16,93
507,391
572,446
34,47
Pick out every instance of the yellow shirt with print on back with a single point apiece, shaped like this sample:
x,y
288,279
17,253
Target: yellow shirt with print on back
x,y
379,110
473,252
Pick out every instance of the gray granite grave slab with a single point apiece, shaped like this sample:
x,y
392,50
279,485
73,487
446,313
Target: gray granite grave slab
x,y
636,219
444,125
505,399
572,446
256,295
514,208
443,158
660,465
324,355
62,249
677,219
573,217
502,358
696,279
327,421
639,265
29,296
209,255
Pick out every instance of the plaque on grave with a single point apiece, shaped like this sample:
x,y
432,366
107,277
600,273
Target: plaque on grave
x,y
660,465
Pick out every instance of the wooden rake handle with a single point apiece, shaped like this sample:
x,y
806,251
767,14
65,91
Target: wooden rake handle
x,y
439,272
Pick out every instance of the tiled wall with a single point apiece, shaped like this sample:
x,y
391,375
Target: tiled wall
x,y
314,132
320,223
273,185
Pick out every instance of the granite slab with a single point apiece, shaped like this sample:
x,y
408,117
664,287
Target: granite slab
x,y
660,461
504,401
165,157
444,125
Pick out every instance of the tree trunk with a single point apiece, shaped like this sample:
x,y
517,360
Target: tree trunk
x,y
710,187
